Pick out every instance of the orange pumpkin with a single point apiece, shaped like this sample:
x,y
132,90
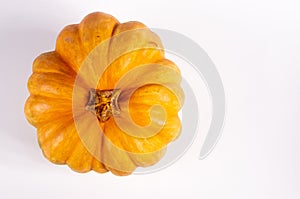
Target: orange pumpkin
x,y
107,120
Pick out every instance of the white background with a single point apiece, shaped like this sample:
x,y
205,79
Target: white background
x,y
255,45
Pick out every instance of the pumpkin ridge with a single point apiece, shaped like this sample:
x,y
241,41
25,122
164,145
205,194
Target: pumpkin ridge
x,y
96,18
35,106
94,162
81,52
110,41
67,64
51,57
70,162
60,129
51,85
59,148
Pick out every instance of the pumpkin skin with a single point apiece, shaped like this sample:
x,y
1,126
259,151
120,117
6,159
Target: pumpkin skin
x,y
49,107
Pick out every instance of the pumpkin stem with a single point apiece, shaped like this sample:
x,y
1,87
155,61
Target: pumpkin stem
x,y
103,103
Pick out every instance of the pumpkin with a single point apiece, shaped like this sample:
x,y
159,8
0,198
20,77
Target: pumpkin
x,y
106,99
